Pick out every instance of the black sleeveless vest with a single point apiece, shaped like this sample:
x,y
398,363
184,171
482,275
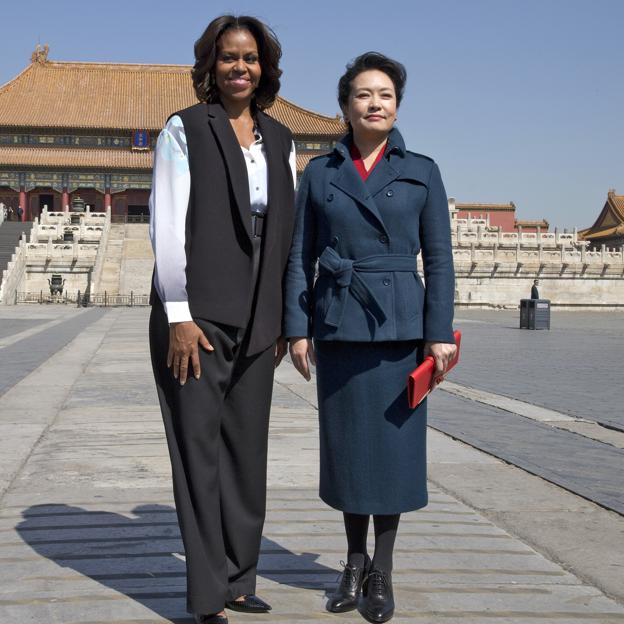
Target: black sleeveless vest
x,y
218,225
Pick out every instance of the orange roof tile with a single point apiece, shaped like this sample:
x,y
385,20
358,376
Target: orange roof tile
x,y
304,158
532,223
55,94
610,221
93,158
80,158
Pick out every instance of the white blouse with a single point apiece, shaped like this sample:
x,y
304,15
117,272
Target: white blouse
x,y
168,204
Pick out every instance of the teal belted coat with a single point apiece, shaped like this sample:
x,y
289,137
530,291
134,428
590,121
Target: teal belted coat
x,y
365,236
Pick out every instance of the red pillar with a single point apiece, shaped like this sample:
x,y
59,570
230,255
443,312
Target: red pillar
x,y
107,199
23,203
65,200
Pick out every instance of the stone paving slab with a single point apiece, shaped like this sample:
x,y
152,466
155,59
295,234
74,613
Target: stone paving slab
x,y
88,531
574,368
10,326
19,359
596,472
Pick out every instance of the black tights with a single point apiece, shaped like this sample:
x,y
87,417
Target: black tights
x,y
386,527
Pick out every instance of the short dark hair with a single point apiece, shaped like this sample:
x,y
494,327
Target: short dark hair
x,y
269,50
365,62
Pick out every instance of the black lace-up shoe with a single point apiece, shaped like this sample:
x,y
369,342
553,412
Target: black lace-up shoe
x,y
249,604
377,601
346,596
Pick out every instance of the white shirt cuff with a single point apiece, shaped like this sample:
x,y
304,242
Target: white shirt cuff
x,y
178,311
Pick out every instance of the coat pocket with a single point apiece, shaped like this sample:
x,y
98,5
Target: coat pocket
x,y
323,293
409,296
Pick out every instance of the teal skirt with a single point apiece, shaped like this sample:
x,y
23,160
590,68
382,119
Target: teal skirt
x,y
373,447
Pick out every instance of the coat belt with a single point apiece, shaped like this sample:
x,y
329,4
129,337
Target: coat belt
x,y
345,272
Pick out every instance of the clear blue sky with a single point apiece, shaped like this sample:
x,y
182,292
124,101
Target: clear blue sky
x,y
517,100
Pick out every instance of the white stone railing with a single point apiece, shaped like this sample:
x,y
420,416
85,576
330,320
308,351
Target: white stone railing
x,y
65,218
562,257
461,235
59,252
43,232
13,275
43,246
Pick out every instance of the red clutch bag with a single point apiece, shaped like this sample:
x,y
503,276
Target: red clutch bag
x,y
420,379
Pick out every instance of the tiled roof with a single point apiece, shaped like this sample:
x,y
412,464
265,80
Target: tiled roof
x,y
594,235
532,223
610,221
55,94
81,158
304,158
75,157
486,207
617,203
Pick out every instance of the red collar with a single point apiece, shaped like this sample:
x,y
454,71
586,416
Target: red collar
x,y
359,163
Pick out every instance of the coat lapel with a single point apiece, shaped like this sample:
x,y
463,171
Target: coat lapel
x,y
275,176
234,161
348,180
381,176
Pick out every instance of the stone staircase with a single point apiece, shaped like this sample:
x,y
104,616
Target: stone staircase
x,y
10,232
137,260
111,270
128,261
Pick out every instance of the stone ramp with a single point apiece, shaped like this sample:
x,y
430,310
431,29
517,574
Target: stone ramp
x,y
88,532
137,260
128,261
111,268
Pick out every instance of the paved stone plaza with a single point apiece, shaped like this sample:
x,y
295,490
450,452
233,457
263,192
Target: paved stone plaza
x,y
88,531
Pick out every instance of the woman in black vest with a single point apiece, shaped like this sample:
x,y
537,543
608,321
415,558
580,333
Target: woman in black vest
x,y
222,211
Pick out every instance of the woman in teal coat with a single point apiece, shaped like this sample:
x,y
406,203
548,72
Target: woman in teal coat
x,y
364,212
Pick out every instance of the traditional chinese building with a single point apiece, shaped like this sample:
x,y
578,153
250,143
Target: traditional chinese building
x,y
76,134
608,229
500,215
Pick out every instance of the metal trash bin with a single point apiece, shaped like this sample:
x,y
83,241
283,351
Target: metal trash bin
x,y
534,313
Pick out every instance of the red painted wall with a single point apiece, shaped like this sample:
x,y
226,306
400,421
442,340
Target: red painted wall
x,y
504,219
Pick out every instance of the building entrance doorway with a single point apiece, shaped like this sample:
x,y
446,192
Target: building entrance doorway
x,y
138,214
138,210
46,200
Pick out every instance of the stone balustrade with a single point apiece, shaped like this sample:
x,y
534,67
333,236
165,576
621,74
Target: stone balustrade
x,y
65,218
14,274
565,257
58,252
55,231
496,269
466,234
44,253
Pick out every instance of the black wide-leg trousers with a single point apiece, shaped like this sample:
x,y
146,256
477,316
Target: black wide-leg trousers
x,y
217,432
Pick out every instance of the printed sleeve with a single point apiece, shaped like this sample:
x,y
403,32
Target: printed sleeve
x,y
171,185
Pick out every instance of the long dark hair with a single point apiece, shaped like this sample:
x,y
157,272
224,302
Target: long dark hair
x,y
269,51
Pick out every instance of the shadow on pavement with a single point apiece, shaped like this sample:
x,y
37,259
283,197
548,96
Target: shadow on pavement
x,y
142,556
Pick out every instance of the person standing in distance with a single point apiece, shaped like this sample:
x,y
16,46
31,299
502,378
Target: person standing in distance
x,y
535,290
364,212
222,213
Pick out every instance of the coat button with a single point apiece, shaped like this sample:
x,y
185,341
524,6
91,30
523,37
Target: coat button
x,y
389,193
330,197
383,239
386,281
